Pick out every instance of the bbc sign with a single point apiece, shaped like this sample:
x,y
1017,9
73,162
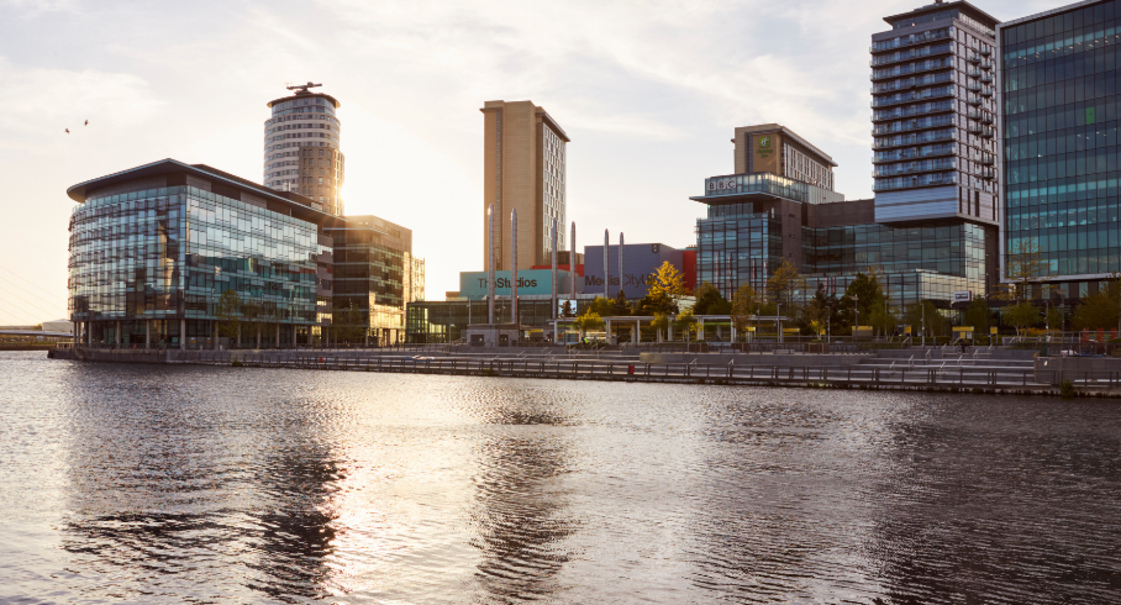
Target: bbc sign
x,y
726,184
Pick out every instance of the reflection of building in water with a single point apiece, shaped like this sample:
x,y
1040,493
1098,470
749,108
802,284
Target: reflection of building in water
x,y
521,520
167,500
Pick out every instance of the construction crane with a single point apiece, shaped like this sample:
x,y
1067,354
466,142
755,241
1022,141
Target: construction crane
x,y
302,89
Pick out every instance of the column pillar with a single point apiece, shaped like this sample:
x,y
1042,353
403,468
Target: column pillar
x,y
238,345
117,335
258,336
182,333
638,331
89,333
700,330
295,329
147,333
215,331
278,335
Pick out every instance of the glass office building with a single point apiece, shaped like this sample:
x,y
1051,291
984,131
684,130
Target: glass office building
x,y
154,249
1058,84
375,276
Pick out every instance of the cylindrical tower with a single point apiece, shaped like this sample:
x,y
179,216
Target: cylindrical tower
x,y
302,147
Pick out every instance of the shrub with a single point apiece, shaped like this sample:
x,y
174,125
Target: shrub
x,y
1066,390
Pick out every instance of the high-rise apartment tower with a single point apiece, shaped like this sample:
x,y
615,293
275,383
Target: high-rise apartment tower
x,y
302,147
933,114
524,164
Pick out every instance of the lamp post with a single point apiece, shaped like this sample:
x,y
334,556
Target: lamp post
x,y
856,315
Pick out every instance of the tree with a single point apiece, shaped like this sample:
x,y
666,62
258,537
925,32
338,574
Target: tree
x,y
744,305
710,301
685,322
925,316
977,315
785,283
863,294
1024,264
1021,316
1099,311
350,325
590,320
619,306
1055,318
568,309
818,312
660,323
227,313
600,306
666,286
883,318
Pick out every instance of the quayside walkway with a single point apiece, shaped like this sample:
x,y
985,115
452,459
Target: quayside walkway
x,y
913,369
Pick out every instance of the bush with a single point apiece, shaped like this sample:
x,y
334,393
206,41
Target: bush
x,y
236,363
1066,390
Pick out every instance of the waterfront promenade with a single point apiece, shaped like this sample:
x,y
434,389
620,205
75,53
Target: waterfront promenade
x,y
981,370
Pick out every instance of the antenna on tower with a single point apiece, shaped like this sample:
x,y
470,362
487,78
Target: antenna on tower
x,y
302,89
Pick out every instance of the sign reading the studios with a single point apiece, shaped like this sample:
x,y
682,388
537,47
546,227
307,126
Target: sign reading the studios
x,y
504,282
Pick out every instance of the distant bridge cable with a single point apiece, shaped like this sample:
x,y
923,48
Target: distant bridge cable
x,y
50,304
32,283
17,311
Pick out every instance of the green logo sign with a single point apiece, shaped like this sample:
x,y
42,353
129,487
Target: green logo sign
x,y
764,142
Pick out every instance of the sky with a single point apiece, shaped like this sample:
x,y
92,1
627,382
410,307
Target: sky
x,y
649,92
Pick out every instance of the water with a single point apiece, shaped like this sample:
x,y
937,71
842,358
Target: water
x,y
236,485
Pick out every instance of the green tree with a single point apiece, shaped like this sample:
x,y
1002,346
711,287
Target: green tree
x,y
660,324
229,304
1055,318
1021,316
1099,311
864,294
685,323
977,315
883,318
589,321
350,324
745,303
710,301
785,284
620,307
925,316
600,306
817,313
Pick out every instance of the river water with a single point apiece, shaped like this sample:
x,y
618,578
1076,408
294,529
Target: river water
x,y
153,484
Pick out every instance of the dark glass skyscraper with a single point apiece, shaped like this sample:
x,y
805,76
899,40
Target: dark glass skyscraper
x,y
1058,86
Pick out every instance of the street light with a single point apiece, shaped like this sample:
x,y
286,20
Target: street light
x,y
856,315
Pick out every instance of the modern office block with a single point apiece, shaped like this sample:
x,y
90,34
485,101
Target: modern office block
x,y
375,276
933,116
302,148
1059,86
755,222
524,169
154,250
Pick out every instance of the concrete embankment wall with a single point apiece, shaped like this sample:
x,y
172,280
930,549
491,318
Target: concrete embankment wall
x,y
798,360
1054,370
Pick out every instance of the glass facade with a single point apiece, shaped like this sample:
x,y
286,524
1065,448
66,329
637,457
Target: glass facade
x,y
377,279
447,321
1059,85
167,254
736,245
952,249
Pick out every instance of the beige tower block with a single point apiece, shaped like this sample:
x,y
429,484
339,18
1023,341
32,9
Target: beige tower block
x,y
524,169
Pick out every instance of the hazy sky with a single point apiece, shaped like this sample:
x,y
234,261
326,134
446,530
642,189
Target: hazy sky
x,y
649,93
